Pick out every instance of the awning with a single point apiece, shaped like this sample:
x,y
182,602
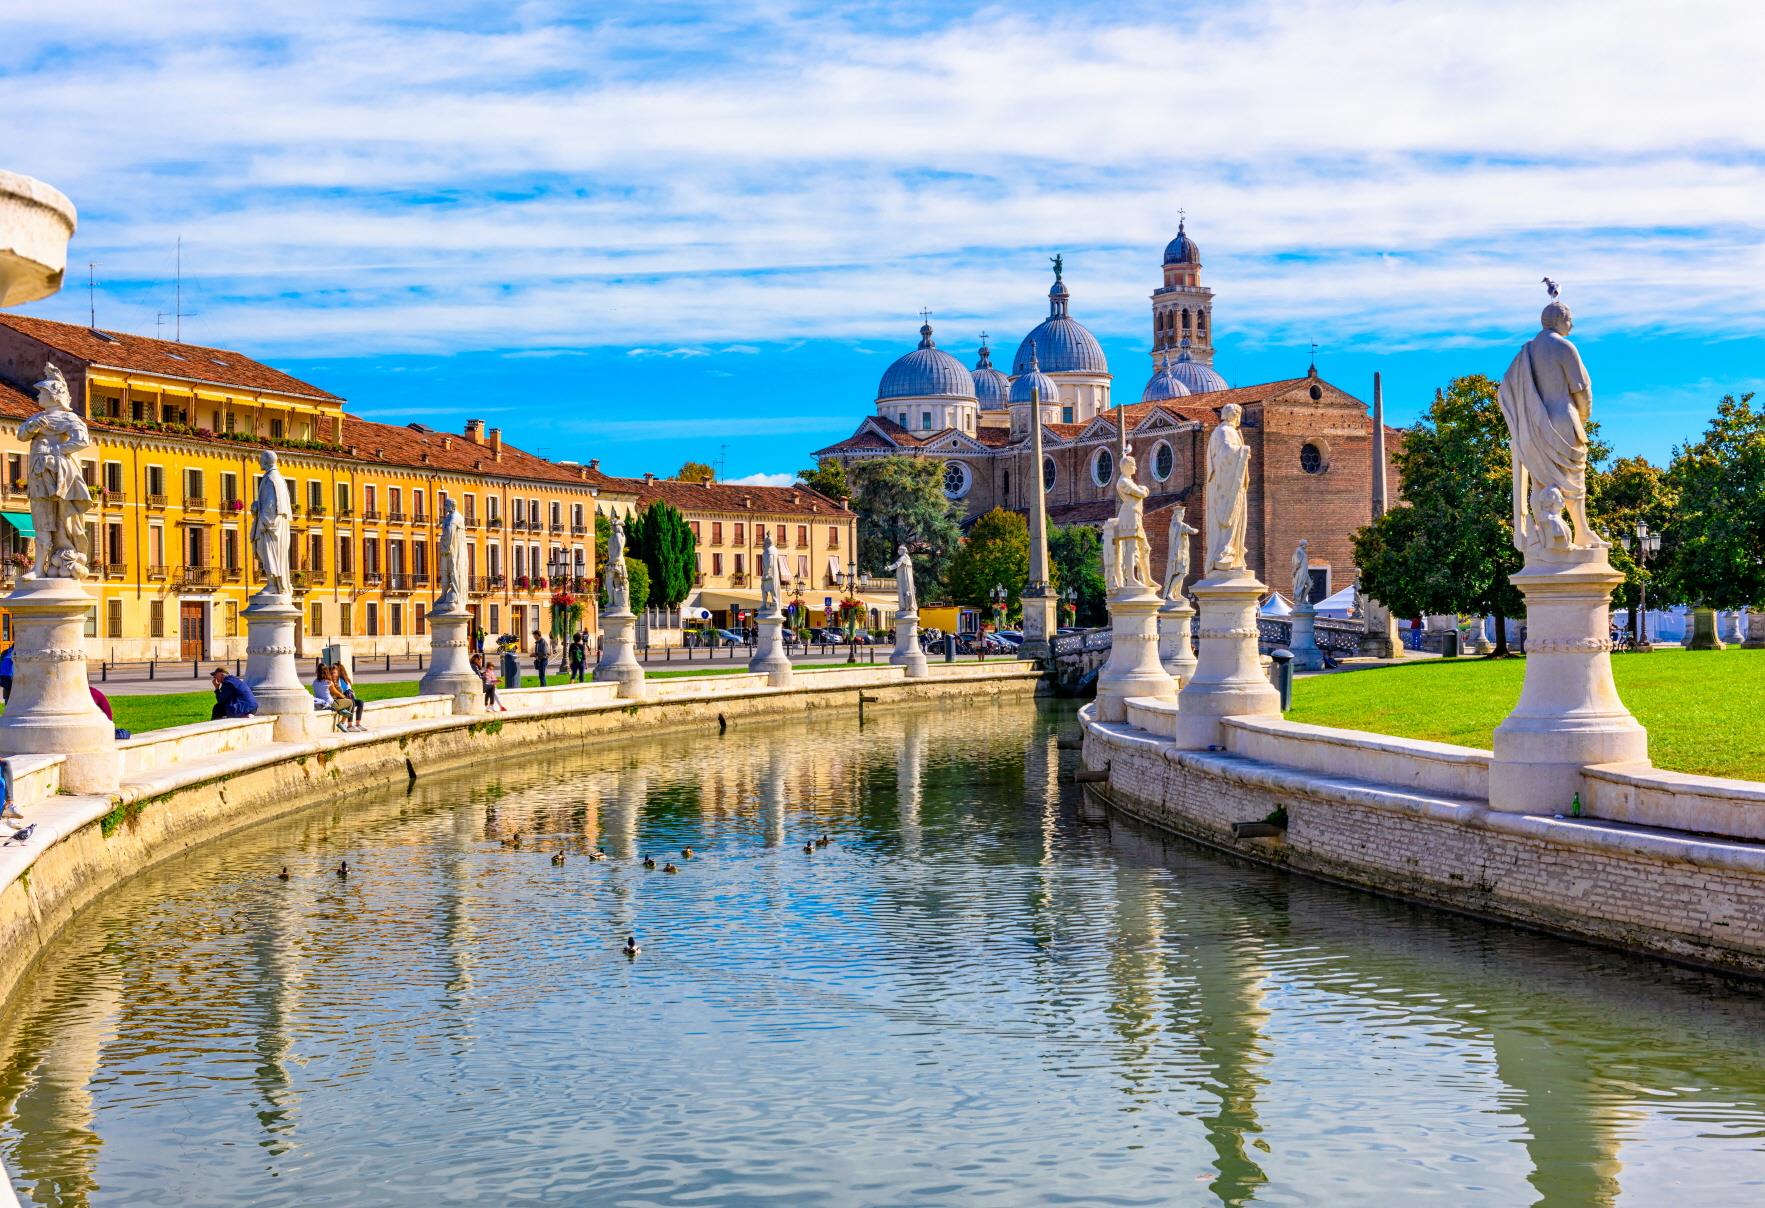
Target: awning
x,y
22,522
726,599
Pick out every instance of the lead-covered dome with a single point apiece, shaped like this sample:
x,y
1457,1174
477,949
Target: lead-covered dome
x,y
1182,249
991,388
1165,384
1034,386
1060,342
1199,378
926,372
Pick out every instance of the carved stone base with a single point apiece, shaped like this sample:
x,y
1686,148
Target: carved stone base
x,y
52,711
450,662
1304,641
1040,620
1569,715
907,652
1176,649
1229,679
769,651
1133,668
1704,634
1755,631
1380,641
271,624
619,655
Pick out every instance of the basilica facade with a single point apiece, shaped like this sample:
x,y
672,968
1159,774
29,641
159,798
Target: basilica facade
x,y
1311,442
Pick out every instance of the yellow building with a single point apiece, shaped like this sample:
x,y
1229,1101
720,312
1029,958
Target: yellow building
x,y
177,432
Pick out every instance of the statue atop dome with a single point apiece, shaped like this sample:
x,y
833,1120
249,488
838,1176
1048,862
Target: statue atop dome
x,y
1059,263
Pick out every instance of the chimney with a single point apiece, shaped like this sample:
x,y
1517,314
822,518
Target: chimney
x,y
447,442
845,503
475,431
747,501
423,457
648,478
594,463
496,442
794,498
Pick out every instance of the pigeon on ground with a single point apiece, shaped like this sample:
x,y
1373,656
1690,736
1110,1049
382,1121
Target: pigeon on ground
x,y
21,835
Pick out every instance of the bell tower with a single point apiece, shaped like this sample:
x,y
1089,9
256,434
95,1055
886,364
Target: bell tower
x,y
1182,308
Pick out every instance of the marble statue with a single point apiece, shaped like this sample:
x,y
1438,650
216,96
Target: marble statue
x,y
450,560
1176,560
1302,573
618,579
271,517
1111,579
57,490
906,595
1228,492
1133,559
1546,398
768,575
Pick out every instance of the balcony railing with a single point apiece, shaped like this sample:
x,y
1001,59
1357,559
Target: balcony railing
x,y
195,503
370,513
557,529
156,572
471,524
400,583
231,574
371,578
419,517
346,513
317,513
198,578
113,496
489,583
578,530
116,570
233,505
395,517
738,579
495,522
155,501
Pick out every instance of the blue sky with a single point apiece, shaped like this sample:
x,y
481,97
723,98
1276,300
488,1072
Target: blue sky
x,y
648,233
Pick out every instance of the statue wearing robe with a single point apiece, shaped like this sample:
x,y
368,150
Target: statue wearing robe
x,y
56,489
271,517
768,576
906,595
1228,492
1176,559
1301,574
618,579
1546,398
450,560
1133,559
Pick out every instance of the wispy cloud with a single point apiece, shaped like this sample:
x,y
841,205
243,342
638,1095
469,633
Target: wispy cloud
x,y
764,480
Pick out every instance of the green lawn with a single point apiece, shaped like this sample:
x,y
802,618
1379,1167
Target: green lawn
x,y
1704,709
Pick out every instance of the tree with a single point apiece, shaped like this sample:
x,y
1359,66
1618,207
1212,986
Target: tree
x,y
901,501
996,554
1632,490
1076,553
695,471
638,580
1712,543
827,478
661,537
1451,549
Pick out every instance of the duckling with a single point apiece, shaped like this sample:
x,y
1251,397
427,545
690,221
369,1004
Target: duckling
x,y
343,869
649,861
669,867
558,856
283,875
632,947
686,853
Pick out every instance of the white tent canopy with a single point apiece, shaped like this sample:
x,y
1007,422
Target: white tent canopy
x,y
1340,604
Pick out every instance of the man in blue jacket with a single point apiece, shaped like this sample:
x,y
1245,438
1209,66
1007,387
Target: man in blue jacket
x,y
232,696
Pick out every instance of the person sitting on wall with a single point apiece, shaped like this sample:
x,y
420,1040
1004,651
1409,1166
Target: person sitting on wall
x,y
344,692
232,696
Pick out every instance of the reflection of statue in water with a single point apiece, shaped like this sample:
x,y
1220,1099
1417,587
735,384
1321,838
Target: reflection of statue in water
x,y
768,575
1301,574
450,560
56,488
618,578
271,517
906,594
1546,398
1228,492
1176,559
1133,558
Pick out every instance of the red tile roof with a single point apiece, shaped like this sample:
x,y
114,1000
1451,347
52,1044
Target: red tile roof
x,y
403,445
164,358
16,403
732,498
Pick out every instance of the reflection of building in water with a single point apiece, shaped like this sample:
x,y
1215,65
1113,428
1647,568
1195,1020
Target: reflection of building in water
x,y
52,1069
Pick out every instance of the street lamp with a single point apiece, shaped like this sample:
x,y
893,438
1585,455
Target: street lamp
x,y
852,621
1071,596
1643,549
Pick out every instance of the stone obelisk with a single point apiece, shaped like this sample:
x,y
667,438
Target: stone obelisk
x,y
1041,605
1380,641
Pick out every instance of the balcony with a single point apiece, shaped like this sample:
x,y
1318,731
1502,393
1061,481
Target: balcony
x,y
112,496
346,513
557,529
370,513
317,513
495,522
485,584
195,503
471,523
115,570
198,578
395,517
419,517
398,583
155,501
517,526
371,578
234,506
231,574
578,530
738,579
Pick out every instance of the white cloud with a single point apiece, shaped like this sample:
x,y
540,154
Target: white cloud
x,y
763,480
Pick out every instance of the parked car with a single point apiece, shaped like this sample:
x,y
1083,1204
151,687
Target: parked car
x,y
729,638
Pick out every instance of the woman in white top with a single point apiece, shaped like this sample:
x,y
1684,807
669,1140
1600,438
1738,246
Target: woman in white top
x,y
324,697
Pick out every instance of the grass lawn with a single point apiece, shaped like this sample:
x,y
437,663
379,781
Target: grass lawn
x,y
1704,709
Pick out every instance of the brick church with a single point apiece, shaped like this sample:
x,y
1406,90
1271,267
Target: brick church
x,y
1311,443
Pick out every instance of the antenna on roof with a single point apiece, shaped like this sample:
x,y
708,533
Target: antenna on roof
x,y
178,297
1314,359
92,294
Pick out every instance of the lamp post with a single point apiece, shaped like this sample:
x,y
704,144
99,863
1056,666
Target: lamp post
x,y
852,621
1643,549
999,598
1071,597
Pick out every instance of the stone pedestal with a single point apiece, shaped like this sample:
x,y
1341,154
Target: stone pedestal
x,y
1480,643
1703,631
1380,641
1569,715
907,652
271,624
52,710
1735,635
1133,668
1304,641
450,662
1041,610
1755,631
769,652
1175,650
619,655
1229,679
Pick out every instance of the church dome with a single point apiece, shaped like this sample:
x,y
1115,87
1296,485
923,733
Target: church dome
x,y
1199,378
1182,249
1061,343
1165,384
926,372
1034,382
991,387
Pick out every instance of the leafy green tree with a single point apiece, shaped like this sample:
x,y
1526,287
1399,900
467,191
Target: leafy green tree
x,y
638,576
901,501
661,537
996,554
1632,490
1713,543
695,471
828,478
1076,555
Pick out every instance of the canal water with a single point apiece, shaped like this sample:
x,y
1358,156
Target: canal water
x,y
969,995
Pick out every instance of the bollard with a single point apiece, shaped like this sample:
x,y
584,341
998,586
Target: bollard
x,y
150,668
195,670
1281,676
949,648
103,672
389,662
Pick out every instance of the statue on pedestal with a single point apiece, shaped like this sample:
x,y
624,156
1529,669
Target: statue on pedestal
x,y
271,517
1301,574
1133,559
1176,560
618,579
906,595
768,575
1546,398
450,560
1228,492
56,489
1111,577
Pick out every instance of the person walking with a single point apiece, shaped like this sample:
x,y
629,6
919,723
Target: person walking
x,y
478,636
542,653
232,696
579,658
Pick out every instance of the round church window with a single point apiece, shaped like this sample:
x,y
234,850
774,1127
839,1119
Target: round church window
x,y
1163,461
956,479
1311,459
1047,474
1103,467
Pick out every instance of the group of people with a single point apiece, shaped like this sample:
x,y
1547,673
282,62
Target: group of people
x,y
575,657
333,691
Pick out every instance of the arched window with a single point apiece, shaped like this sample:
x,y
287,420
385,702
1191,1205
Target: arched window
x,y
1103,467
1047,474
1164,460
1311,459
1185,320
1008,488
